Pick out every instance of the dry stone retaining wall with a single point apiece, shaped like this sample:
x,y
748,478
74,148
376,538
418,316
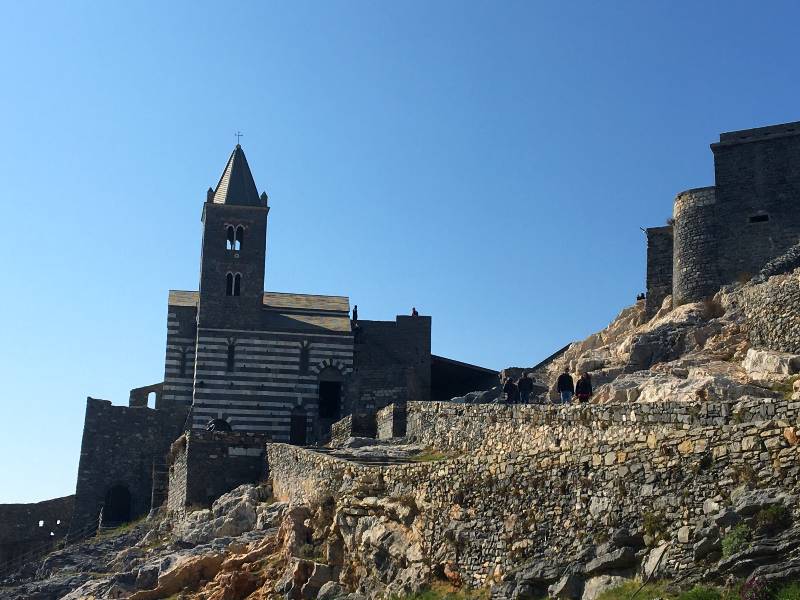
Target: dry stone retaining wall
x,y
773,311
490,512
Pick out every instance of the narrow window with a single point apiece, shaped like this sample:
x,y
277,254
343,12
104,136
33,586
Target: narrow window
x,y
182,368
230,236
237,245
229,284
237,284
305,348
759,218
231,366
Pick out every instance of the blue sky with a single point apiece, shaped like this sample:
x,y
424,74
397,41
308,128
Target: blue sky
x,y
489,163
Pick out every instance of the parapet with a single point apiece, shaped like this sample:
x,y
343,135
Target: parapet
x,y
757,134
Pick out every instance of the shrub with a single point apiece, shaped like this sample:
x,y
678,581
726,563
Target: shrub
x,y
755,589
701,592
653,524
624,591
736,540
712,309
772,519
790,591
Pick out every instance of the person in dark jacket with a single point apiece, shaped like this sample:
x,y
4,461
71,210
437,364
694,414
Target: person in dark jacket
x,y
525,387
583,390
565,386
511,391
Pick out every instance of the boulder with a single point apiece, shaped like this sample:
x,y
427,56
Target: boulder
x,y
761,364
749,502
569,587
616,559
331,591
653,564
597,585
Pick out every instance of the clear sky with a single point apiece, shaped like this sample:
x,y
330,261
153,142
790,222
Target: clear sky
x,y
490,163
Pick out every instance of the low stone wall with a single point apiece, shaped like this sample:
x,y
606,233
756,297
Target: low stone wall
x,y
484,515
391,421
489,428
203,465
353,425
27,527
773,311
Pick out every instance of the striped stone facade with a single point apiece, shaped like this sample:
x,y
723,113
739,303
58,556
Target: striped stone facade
x,y
267,380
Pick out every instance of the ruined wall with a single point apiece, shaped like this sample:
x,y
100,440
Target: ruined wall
x,y
121,445
392,362
391,421
757,174
206,464
353,425
695,266
659,267
28,528
179,356
773,313
485,515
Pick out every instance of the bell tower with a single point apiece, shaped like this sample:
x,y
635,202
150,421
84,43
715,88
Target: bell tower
x,y
234,248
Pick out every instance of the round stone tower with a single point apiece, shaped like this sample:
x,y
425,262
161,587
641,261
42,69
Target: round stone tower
x,y
695,273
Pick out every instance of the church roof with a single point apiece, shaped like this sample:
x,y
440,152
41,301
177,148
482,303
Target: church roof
x,y
236,185
290,312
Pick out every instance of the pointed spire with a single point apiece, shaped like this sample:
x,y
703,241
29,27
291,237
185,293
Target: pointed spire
x,y
236,186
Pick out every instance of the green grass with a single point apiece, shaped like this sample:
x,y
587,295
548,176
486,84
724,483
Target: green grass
x,y
736,540
124,528
789,591
651,591
772,519
431,455
443,591
701,592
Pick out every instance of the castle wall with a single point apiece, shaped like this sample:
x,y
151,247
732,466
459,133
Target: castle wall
x,y
121,445
180,352
205,465
695,267
393,362
659,267
267,381
758,197
488,514
28,529
773,313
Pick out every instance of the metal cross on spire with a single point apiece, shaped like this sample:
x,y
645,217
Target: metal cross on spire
x,y
239,134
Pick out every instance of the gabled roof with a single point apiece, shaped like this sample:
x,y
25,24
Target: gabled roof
x,y
236,186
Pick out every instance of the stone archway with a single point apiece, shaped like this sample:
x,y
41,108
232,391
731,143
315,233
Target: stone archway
x,y
330,394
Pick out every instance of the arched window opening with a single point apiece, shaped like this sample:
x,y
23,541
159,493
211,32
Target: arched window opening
x,y
151,400
237,284
330,393
230,237
231,364
237,245
305,351
229,284
218,424
117,506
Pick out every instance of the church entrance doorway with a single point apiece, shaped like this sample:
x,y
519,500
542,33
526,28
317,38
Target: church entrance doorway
x,y
297,427
330,394
117,506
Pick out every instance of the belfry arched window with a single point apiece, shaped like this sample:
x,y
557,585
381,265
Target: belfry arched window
x,y
238,238
305,348
230,237
233,284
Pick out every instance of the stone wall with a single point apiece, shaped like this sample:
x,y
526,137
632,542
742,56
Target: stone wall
x,y
392,362
121,448
659,267
485,514
26,528
758,191
391,421
694,268
203,465
773,313
354,425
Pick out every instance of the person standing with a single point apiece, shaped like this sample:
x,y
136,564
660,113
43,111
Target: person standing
x,y
414,312
583,390
525,387
510,390
565,386
355,313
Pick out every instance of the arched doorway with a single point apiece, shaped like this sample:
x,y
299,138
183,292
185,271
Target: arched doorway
x,y
297,426
330,394
117,505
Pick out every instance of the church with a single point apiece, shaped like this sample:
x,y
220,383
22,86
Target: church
x,y
272,366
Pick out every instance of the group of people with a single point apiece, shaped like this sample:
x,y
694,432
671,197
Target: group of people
x,y
519,391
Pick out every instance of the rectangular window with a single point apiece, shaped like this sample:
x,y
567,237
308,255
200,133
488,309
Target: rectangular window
x,y
231,357
759,218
